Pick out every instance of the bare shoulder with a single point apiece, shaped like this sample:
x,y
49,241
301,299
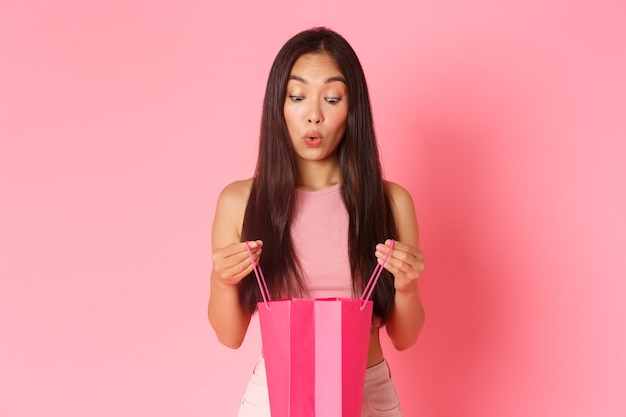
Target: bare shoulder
x,y
230,211
404,213
399,196
236,193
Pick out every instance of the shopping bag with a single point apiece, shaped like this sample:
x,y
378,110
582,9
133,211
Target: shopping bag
x,y
316,351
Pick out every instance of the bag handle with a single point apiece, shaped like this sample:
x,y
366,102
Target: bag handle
x,y
260,278
367,292
369,288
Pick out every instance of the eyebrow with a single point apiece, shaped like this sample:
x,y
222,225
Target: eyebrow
x,y
330,80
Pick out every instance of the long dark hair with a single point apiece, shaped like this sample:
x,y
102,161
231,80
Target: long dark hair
x,y
272,198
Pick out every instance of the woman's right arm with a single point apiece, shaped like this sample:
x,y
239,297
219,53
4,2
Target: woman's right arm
x,y
231,263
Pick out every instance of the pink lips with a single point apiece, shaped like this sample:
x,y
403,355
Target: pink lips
x,y
313,139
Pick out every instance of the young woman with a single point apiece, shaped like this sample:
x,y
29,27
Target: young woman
x,y
317,213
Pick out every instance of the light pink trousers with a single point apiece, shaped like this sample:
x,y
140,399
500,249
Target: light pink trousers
x,y
379,396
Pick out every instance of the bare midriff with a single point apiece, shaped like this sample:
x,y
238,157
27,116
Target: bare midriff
x,y
375,352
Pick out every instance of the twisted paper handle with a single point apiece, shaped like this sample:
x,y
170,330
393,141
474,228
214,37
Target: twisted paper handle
x,y
369,288
260,278
367,292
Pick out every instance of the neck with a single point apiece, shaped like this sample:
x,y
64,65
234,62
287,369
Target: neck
x,y
318,175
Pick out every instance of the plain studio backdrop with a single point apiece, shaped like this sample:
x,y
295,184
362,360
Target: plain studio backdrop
x,y
121,121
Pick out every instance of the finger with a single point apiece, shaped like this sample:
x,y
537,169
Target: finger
x,y
401,263
404,247
391,265
403,251
224,260
245,254
242,269
237,252
383,251
396,266
253,244
234,259
237,271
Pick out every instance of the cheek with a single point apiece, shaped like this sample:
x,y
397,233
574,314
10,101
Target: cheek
x,y
340,118
290,118
293,112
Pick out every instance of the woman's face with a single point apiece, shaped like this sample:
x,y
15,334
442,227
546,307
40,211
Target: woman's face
x,y
316,106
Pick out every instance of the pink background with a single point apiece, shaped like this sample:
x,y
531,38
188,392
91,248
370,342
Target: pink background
x,y
120,122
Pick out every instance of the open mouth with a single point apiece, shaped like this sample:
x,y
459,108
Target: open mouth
x,y
313,138
313,141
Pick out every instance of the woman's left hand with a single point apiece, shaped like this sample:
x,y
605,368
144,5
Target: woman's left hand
x,y
406,263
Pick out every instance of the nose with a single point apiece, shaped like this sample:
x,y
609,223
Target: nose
x,y
315,114
314,120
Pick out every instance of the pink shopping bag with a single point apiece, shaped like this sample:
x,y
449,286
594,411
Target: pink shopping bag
x,y
316,351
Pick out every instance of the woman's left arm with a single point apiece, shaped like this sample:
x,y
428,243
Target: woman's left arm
x,y
406,263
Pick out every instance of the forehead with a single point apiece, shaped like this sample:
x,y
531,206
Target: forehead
x,y
316,65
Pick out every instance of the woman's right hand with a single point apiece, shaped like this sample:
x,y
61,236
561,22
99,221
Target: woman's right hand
x,y
232,263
